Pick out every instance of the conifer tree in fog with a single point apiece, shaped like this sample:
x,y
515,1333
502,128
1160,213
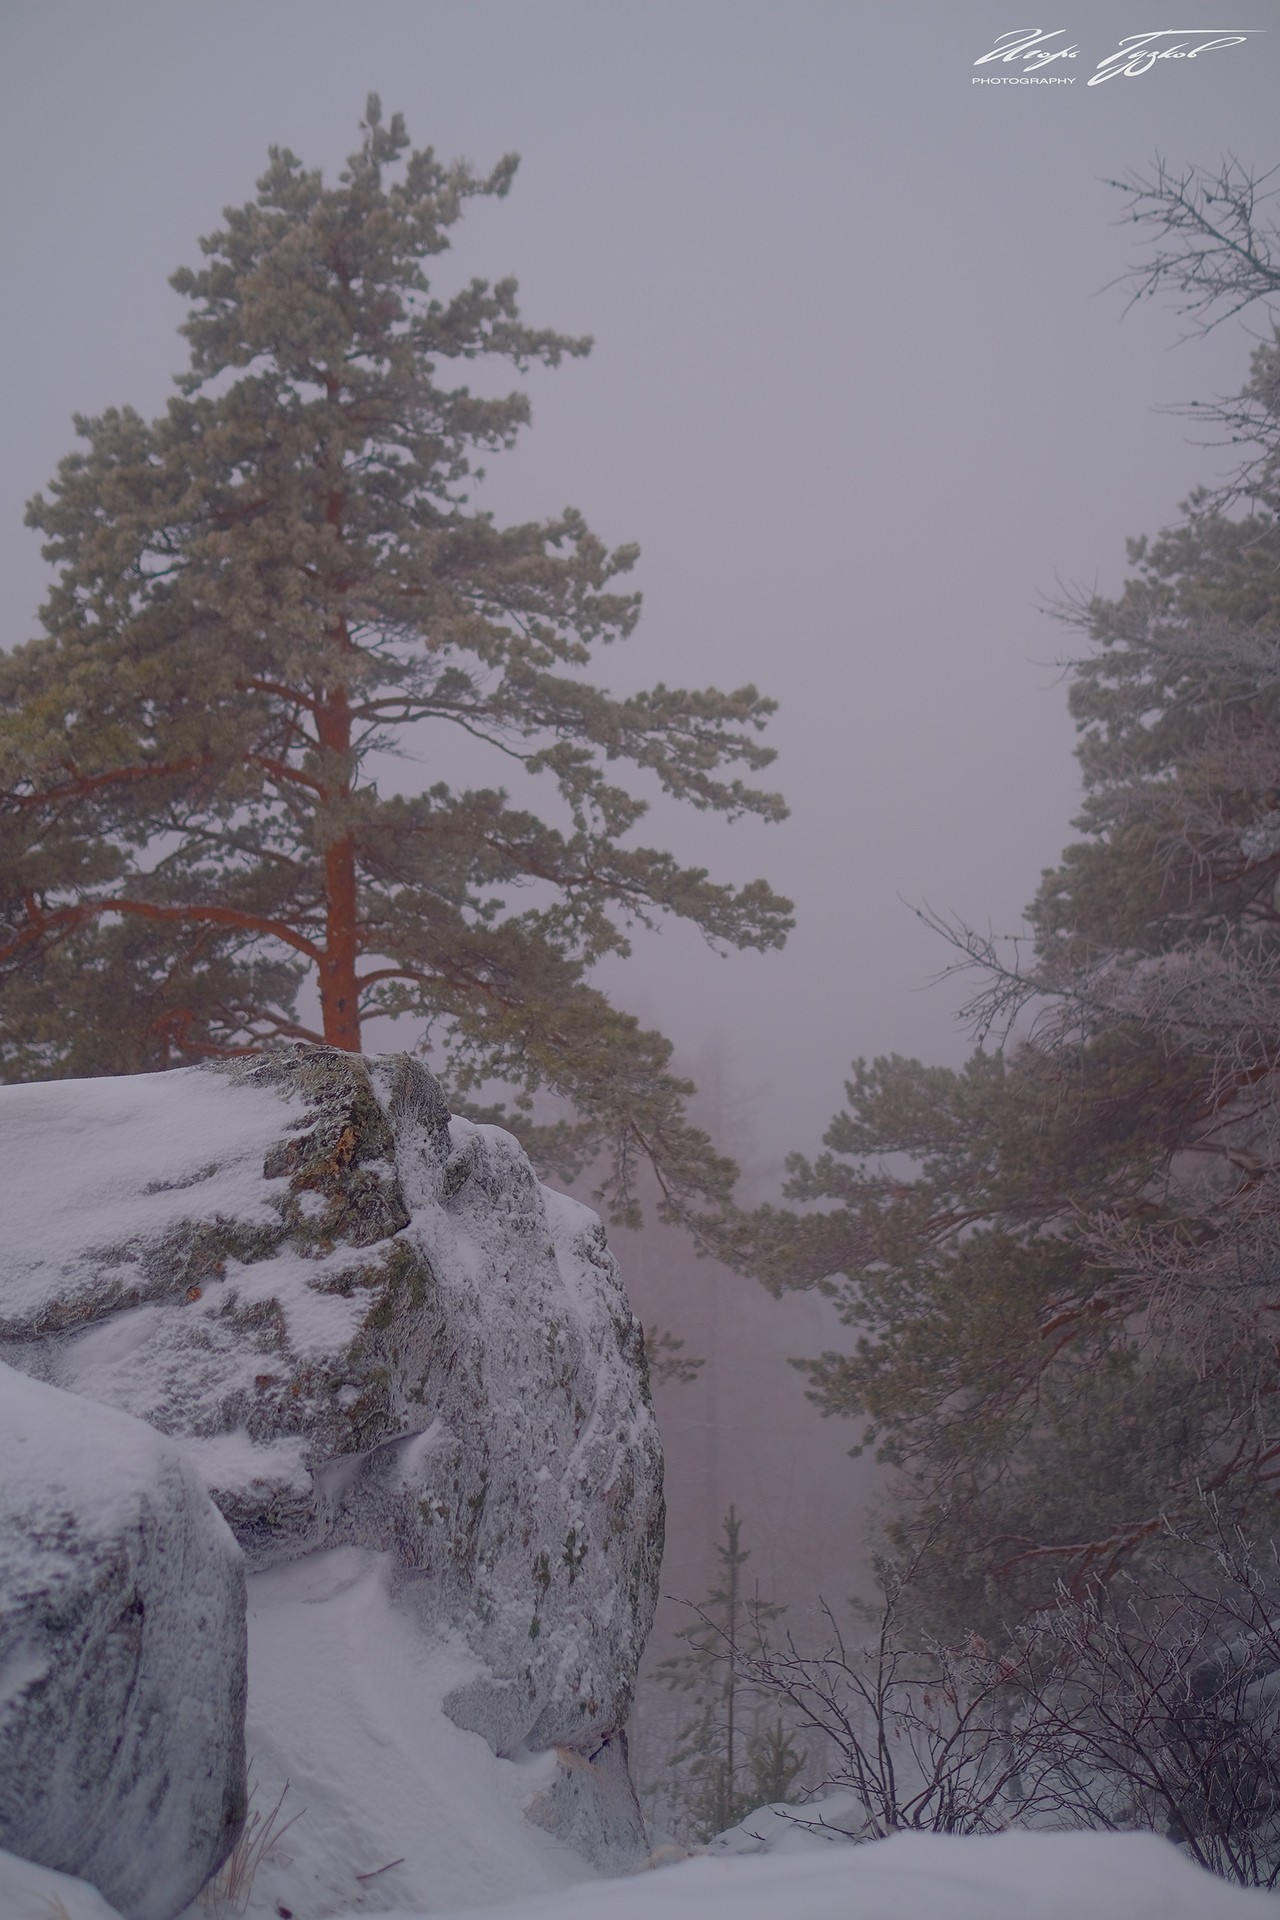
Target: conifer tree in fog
x,y
1060,1260
736,1750
272,604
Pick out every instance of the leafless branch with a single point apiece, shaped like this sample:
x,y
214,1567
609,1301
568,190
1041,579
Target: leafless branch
x,y
1212,248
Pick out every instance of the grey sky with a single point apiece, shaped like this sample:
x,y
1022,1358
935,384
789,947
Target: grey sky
x,y
855,391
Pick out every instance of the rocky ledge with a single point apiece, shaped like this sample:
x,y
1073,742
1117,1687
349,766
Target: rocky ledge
x,y
365,1323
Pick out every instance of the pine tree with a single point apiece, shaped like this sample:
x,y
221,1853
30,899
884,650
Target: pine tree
x,y
273,604
1060,1259
1035,1423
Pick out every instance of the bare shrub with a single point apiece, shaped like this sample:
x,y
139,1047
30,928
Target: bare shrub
x,y
1160,1694
1150,1701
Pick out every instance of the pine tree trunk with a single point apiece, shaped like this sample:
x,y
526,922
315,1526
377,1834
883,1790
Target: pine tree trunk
x,y
339,990
339,994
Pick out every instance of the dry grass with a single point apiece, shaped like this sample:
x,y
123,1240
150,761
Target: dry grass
x,y
229,1890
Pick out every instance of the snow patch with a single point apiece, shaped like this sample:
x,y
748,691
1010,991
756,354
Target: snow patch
x,y
28,1892
72,1150
345,1708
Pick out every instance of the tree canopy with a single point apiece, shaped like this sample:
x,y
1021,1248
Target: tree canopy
x,y
273,603
1060,1259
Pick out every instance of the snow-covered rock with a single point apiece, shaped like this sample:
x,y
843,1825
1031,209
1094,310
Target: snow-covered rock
x,y
368,1326
122,1654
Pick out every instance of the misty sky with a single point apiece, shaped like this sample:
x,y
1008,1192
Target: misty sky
x,y
857,390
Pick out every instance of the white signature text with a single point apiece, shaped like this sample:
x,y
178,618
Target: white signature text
x,y
1028,48
1138,52
1029,45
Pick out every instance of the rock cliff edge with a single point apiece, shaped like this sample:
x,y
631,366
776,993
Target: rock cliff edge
x,y
365,1323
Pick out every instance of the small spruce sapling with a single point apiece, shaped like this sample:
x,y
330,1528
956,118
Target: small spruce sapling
x,y
736,1752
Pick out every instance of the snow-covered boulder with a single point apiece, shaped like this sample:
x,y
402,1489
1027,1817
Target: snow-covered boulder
x,y
122,1654
368,1325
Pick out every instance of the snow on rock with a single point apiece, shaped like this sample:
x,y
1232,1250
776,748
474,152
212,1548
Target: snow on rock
x,y
122,1654
369,1326
28,1892
781,1828
913,1876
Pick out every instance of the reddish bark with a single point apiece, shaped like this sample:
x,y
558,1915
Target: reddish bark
x,y
77,784
336,956
63,919
339,987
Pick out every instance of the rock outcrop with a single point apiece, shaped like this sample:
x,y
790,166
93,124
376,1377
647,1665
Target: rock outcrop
x,y
122,1654
366,1324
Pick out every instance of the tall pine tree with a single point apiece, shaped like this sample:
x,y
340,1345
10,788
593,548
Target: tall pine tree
x,y
267,595
1060,1260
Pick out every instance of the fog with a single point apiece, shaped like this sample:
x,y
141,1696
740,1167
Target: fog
x,y
863,390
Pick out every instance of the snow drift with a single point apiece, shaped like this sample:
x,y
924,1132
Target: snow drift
x,y
913,1876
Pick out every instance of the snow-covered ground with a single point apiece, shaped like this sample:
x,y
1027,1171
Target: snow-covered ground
x,y
368,1798
1009,1876
393,1810
345,1711
345,1705
922,1876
